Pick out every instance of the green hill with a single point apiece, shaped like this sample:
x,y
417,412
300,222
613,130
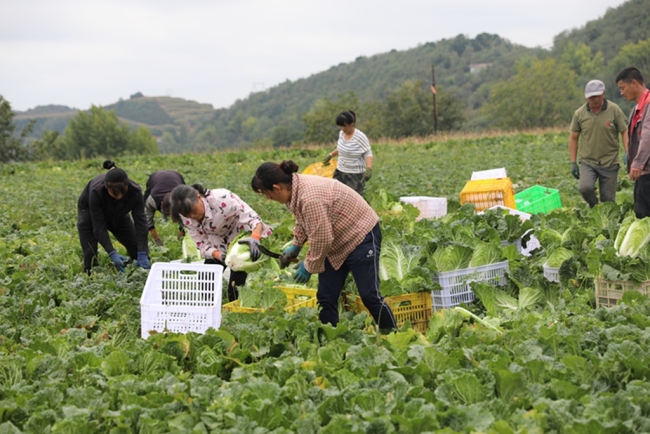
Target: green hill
x,y
465,67
159,114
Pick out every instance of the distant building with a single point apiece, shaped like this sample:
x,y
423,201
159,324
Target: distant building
x,y
476,67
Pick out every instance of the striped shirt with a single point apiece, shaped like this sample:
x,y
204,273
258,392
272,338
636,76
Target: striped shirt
x,y
226,215
353,152
333,217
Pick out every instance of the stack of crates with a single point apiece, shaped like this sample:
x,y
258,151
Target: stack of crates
x,y
538,199
487,193
456,287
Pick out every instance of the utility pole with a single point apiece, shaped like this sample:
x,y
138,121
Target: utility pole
x,y
435,104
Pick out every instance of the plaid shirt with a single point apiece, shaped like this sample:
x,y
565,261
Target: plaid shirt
x,y
333,217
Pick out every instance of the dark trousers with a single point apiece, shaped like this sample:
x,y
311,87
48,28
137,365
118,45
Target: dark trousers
x,y
642,197
606,177
123,230
353,180
237,278
363,262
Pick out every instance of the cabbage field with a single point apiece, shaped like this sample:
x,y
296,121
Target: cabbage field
x,y
529,356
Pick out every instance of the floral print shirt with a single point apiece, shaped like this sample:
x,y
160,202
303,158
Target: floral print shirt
x,y
226,215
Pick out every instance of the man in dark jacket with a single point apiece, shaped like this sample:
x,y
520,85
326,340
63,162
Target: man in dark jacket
x,y
156,198
630,83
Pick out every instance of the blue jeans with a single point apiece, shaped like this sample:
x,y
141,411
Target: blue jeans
x,y
363,262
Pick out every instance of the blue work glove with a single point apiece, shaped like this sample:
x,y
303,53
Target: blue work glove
x,y
625,159
118,260
253,246
368,174
302,275
143,261
289,253
575,170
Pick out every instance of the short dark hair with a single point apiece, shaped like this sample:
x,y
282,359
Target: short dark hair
x,y
346,118
629,74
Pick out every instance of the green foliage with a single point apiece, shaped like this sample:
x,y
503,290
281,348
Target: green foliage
x,y
93,134
620,25
533,359
96,133
579,58
542,94
408,111
11,146
320,121
633,54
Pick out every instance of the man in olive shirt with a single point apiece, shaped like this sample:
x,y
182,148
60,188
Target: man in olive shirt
x,y
600,122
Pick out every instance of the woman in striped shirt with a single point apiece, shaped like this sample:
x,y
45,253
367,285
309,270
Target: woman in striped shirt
x,y
354,166
343,234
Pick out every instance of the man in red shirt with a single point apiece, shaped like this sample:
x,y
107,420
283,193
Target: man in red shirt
x,y
630,83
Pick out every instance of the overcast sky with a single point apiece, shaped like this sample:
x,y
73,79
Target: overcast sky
x,y
83,52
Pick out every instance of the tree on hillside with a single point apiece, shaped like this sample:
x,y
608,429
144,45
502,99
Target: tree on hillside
x,y
544,93
99,133
51,145
320,121
141,142
637,55
580,59
11,146
408,111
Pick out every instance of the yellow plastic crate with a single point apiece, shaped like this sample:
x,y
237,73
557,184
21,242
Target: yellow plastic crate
x,y
486,193
296,298
610,292
319,169
415,308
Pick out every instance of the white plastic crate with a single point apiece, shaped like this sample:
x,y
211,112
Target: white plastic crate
x,y
181,298
552,274
456,284
429,206
489,174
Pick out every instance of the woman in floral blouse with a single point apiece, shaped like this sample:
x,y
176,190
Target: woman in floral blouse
x,y
213,219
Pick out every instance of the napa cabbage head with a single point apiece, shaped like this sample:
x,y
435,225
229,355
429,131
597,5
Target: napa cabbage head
x,y
622,231
485,254
238,257
451,258
637,236
397,260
